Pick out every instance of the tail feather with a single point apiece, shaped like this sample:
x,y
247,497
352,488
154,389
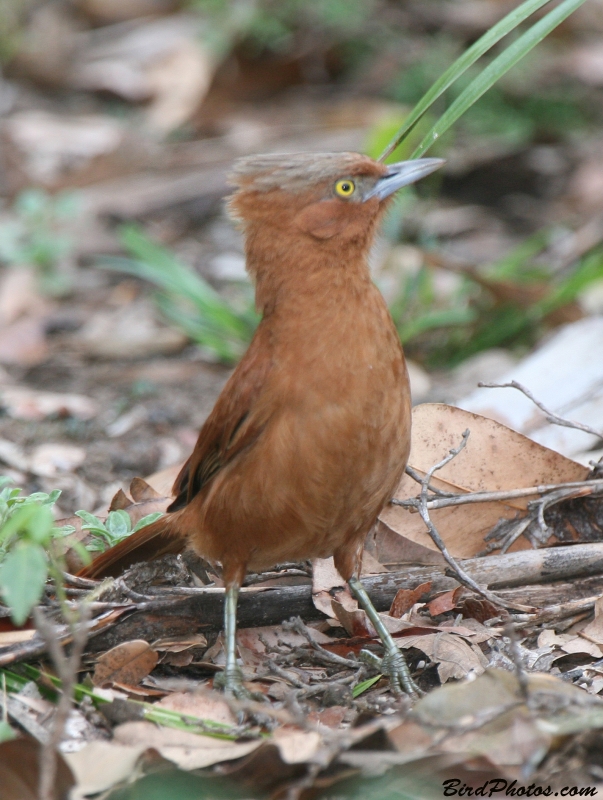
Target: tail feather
x,y
152,541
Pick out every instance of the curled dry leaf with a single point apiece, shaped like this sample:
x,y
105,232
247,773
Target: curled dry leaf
x,y
445,602
496,458
406,598
127,663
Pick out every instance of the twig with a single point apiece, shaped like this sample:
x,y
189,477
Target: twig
x,y
296,624
550,416
67,668
459,572
457,499
522,678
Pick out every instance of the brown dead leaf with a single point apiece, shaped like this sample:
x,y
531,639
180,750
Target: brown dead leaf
x,y
295,746
496,458
331,717
20,771
405,599
100,765
327,583
256,639
479,609
454,657
445,602
355,622
594,630
187,750
126,663
141,491
203,706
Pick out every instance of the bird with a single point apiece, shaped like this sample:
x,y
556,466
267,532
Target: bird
x,y
311,433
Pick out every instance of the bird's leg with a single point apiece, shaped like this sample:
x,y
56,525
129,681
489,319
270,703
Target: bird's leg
x,y
393,664
231,678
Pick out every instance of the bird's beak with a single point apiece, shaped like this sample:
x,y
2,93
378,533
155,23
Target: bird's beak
x,y
401,174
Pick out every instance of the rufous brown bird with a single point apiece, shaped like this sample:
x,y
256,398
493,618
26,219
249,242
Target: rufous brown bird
x,y
311,433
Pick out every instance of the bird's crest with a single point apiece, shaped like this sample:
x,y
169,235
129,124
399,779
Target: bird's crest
x,y
296,172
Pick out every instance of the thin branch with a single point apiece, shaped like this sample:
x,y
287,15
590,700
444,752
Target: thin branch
x,y
459,572
551,417
457,499
67,668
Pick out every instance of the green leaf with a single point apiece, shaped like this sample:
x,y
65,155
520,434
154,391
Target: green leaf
x,y
6,732
496,69
147,520
23,574
364,685
119,524
29,520
461,65
90,521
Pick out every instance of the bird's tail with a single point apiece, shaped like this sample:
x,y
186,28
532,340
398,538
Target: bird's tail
x,y
154,540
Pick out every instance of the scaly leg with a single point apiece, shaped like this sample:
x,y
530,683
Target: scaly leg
x,y
231,678
393,664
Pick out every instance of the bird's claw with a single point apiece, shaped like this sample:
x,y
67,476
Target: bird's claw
x,y
231,683
393,664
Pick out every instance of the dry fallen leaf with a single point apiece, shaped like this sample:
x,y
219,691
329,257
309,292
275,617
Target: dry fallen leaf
x,y
496,458
405,599
99,766
186,750
201,705
127,663
454,657
19,771
327,583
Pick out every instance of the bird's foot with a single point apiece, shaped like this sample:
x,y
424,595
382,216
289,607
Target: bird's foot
x,y
393,664
231,683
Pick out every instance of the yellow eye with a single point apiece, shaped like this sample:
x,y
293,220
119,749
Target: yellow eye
x,y
345,187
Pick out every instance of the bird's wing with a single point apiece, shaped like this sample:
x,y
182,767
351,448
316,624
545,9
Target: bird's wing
x,y
234,423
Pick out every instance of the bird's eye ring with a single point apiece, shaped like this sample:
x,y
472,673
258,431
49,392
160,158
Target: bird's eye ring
x,y
345,187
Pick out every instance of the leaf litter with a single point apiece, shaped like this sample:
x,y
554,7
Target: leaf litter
x,y
502,686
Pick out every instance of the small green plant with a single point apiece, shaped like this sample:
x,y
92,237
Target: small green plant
x,y
186,299
116,528
31,545
36,237
28,554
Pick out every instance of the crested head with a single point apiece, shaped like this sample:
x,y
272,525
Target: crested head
x,y
300,172
314,209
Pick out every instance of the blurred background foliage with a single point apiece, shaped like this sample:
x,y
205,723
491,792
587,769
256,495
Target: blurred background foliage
x,y
271,52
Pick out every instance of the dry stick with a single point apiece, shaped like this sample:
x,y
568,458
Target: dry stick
x,y
457,499
555,419
67,668
461,575
522,678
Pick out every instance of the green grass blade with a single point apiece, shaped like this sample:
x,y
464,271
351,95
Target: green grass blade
x,y
496,69
462,64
